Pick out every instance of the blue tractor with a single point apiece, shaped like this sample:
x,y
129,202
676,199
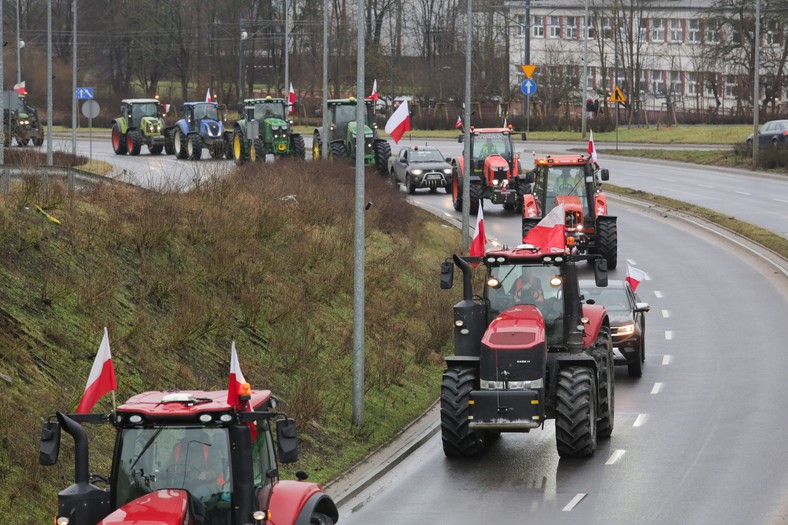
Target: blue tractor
x,y
201,126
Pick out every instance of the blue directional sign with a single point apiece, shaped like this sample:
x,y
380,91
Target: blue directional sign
x,y
84,93
528,86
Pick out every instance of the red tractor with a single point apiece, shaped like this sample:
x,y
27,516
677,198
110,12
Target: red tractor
x,y
494,171
574,181
527,350
188,458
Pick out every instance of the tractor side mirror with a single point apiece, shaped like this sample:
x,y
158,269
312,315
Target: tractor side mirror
x,y
287,440
600,272
605,174
447,275
50,443
461,138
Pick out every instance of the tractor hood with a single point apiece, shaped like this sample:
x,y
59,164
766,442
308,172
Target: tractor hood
x,y
276,122
211,128
351,127
520,326
514,348
161,507
151,125
570,202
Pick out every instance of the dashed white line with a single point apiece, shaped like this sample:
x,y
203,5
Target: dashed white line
x,y
666,359
657,387
618,454
572,504
665,313
705,186
640,420
669,180
668,335
780,200
744,193
657,294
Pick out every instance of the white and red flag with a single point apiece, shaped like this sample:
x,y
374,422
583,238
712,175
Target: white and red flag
x,y
20,88
291,99
592,149
634,276
458,124
549,233
479,240
399,122
237,381
208,96
374,95
101,379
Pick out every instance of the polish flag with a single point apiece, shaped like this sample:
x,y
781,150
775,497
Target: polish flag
x,y
291,99
20,88
399,122
592,149
374,95
237,381
458,124
479,240
101,379
208,96
634,276
548,234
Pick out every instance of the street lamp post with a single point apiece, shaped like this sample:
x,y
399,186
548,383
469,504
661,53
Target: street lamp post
x,y
241,65
19,45
585,71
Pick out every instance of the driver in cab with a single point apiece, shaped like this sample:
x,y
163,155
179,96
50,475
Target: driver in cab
x,y
527,289
567,181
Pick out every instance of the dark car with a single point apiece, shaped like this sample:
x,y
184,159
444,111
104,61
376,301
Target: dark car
x,y
771,134
420,167
627,319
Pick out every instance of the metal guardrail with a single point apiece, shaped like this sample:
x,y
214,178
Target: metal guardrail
x,y
19,173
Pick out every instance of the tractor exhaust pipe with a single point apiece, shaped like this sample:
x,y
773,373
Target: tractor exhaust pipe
x,y
467,278
81,463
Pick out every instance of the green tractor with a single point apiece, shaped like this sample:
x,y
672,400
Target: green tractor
x,y
341,138
21,121
140,123
265,130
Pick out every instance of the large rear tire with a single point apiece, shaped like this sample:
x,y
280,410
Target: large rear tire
x,y
575,413
607,384
608,242
118,140
458,438
382,154
297,147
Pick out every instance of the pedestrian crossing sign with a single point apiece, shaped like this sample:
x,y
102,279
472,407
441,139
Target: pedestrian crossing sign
x,y
617,95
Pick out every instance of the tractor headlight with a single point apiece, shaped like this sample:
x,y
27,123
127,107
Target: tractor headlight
x,y
495,182
62,520
416,172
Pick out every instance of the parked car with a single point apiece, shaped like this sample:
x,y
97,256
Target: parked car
x,y
420,167
627,320
773,133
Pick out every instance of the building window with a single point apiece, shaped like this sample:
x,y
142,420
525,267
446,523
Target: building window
x,y
692,83
675,31
570,28
657,30
711,84
676,88
642,29
772,34
606,26
519,23
693,31
538,27
657,82
730,86
712,34
589,33
554,28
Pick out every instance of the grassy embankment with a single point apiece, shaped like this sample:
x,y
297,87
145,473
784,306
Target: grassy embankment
x,y
176,277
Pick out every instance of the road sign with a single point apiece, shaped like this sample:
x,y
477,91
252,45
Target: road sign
x,y
617,95
528,70
528,86
84,93
91,108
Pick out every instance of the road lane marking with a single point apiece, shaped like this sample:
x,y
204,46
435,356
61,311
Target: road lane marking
x,y
640,420
572,504
666,359
669,180
665,313
780,200
657,388
744,193
657,294
706,186
668,335
618,454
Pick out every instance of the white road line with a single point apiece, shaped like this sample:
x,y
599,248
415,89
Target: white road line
x,y
666,359
668,335
665,313
657,388
640,420
618,454
572,504
743,193
706,186
657,294
669,180
780,200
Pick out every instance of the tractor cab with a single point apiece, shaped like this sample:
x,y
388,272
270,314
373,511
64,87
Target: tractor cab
x,y
269,108
138,111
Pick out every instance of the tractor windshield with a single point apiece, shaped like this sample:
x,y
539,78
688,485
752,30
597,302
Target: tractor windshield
x,y
192,458
556,184
146,109
209,111
525,284
344,114
266,110
487,144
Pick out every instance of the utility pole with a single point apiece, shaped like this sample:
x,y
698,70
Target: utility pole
x,y
527,61
287,54
466,172
73,86
19,45
242,36
756,143
585,72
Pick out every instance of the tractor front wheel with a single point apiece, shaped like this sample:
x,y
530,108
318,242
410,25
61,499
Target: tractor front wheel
x,y
297,147
317,147
575,413
458,438
118,141
608,242
239,151
179,142
156,150
476,191
134,142
338,150
169,146
456,193
382,154
194,147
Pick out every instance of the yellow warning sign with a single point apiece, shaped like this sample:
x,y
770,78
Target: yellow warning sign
x,y
617,95
528,70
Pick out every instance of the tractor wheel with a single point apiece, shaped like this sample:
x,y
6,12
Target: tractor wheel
x,y
409,185
511,206
338,150
169,142
156,150
38,141
217,150
239,151
134,142
476,191
575,413
22,142
317,146
635,368
458,439
382,154
194,147
297,147
318,518
180,142
259,150
456,193
608,243
607,384
118,141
